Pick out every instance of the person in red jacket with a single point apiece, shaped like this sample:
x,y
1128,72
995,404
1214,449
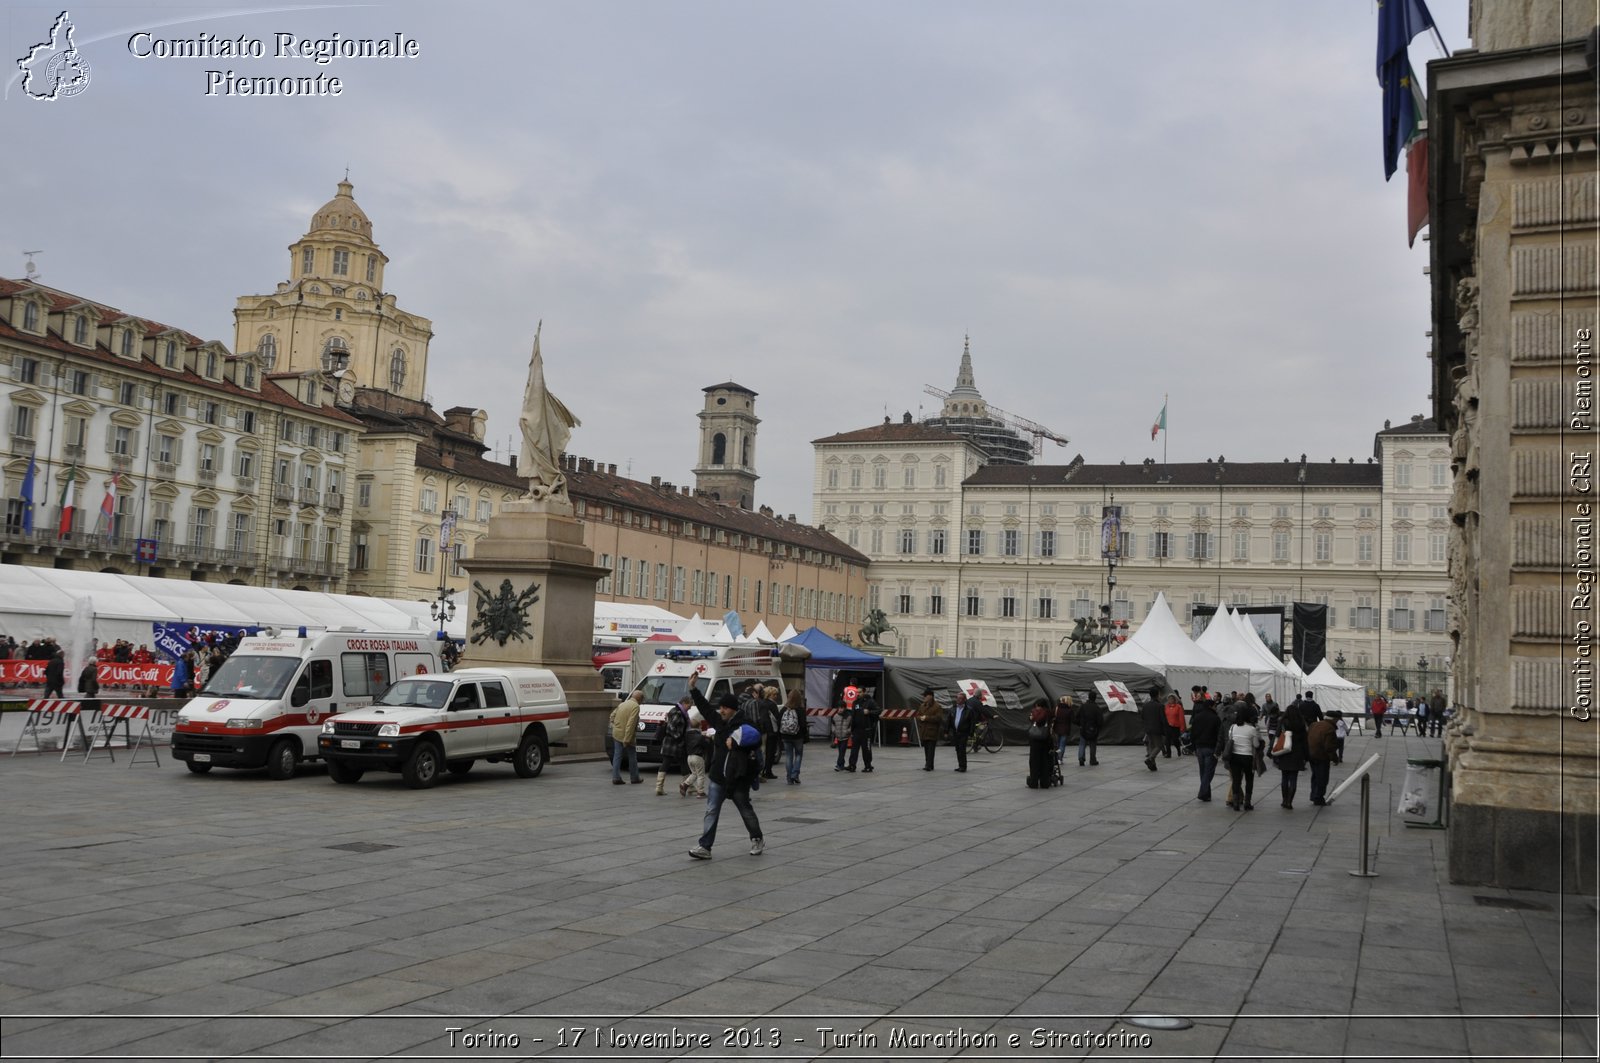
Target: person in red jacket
x,y
1379,706
1175,724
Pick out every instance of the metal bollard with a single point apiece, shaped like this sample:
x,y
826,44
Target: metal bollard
x,y
1366,806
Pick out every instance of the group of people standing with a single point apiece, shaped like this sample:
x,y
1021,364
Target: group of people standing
x,y
1243,736
1429,714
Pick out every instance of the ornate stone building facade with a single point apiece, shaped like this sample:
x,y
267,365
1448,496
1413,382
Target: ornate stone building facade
x,y
1514,224
423,489
975,559
233,473
333,313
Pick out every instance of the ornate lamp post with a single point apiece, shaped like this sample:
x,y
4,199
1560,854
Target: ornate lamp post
x,y
1338,662
442,609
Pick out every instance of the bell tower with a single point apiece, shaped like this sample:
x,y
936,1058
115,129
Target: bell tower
x,y
727,467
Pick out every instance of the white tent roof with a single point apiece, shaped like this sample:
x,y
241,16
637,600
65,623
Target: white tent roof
x,y
762,633
637,621
697,630
788,633
1227,639
39,601
1160,644
1323,675
1333,691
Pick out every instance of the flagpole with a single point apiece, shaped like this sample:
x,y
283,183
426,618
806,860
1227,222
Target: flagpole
x,y
1165,432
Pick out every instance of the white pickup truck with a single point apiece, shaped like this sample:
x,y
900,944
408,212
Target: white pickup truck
x,y
427,724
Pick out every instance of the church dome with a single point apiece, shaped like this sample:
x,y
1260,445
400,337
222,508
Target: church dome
x,y
342,215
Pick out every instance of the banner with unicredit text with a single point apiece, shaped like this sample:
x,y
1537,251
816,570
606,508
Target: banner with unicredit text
x,y
126,676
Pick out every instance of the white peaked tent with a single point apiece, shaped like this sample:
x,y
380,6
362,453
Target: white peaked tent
x,y
1161,645
762,633
788,633
699,630
1226,639
1334,691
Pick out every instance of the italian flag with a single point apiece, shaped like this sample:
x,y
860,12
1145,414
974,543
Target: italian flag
x,y
1416,145
109,503
1161,423
68,491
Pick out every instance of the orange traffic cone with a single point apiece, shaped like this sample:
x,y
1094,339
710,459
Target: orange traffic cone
x,y
905,736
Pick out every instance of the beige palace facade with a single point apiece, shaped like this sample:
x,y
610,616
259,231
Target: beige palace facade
x,y
973,559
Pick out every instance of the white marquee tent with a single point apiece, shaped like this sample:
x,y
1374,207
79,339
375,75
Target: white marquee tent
x,y
1333,691
1230,638
35,602
1160,644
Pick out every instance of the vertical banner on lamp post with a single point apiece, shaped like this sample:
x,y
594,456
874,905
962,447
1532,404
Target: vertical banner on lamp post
x,y
1111,531
447,532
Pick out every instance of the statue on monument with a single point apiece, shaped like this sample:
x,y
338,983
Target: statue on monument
x,y
546,425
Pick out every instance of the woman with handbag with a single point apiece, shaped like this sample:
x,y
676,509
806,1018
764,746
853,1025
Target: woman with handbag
x,y
1289,752
1242,742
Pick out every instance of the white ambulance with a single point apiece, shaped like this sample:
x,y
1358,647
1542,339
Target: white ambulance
x,y
665,671
266,705
425,725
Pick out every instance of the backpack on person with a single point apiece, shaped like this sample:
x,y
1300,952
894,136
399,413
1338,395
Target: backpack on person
x,y
789,722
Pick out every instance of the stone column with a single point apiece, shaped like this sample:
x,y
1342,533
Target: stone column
x,y
539,544
1523,801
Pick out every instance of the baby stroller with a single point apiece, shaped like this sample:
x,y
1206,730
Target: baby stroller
x,y
1044,767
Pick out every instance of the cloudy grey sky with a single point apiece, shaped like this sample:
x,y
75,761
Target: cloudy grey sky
x,y
817,200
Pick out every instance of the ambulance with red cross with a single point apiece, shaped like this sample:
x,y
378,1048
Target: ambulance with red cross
x,y
667,670
265,706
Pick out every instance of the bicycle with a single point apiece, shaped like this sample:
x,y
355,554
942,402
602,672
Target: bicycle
x,y
986,735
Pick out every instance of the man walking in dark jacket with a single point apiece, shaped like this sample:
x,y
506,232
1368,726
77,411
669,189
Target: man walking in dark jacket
x,y
1153,715
55,675
863,725
731,768
1204,728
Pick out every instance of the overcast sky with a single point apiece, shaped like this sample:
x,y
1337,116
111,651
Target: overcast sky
x,y
817,200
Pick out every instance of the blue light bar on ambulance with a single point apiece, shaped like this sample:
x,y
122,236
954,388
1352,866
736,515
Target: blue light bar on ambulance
x,y
686,655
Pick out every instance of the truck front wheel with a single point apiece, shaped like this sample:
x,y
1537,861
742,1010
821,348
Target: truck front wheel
x,y
531,755
421,768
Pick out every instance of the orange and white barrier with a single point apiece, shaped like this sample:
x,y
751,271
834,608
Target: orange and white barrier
x,y
45,714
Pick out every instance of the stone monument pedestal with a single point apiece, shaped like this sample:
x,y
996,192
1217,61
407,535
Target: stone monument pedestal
x,y
540,543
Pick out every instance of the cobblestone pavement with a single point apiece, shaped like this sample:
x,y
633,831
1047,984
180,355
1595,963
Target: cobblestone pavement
x,y
149,913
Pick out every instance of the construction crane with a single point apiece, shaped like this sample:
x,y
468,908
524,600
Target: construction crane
x,y
1030,428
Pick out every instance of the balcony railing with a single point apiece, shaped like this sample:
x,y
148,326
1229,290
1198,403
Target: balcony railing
x,y
282,493
245,484
22,446
167,470
309,496
333,500
122,462
207,476
123,546
74,451
306,566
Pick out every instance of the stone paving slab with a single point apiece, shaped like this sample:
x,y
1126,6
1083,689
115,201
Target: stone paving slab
x,y
215,920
